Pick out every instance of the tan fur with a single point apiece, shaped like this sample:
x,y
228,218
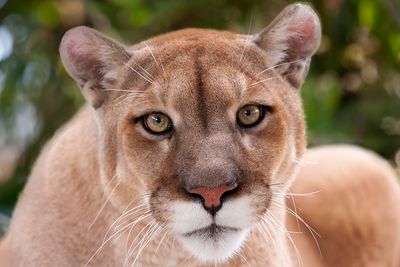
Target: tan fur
x,y
103,162
355,208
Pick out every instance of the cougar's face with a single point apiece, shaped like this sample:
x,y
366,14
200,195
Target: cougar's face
x,y
211,142
207,124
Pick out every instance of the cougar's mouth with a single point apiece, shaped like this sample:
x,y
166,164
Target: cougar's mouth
x,y
212,231
212,238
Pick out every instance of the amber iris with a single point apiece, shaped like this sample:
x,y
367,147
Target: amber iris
x,y
249,115
157,123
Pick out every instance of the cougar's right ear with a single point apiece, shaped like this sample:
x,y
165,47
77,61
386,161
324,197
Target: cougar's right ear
x,y
93,60
291,39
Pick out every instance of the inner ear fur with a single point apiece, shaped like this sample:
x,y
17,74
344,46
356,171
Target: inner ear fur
x,y
92,60
290,40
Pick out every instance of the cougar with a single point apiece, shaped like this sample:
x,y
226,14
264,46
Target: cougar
x,y
191,151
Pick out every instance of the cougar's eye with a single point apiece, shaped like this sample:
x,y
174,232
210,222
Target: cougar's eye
x,y
157,123
250,115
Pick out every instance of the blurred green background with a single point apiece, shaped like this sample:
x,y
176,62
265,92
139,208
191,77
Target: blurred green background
x,y
352,93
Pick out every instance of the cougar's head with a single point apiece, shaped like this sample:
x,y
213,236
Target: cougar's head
x,y
207,124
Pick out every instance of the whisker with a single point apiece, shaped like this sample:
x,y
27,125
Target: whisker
x,y
127,212
248,38
278,65
300,194
146,212
279,224
151,52
119,100
107,240
186,259
306,224
149,76
300,162
124,215
264,80
263,233
118,90
270,78
309,228
143,197
150,228
138,73
274,184
239,254
130,59
105,202
243,258
303,162
127,239
162,239
298,255
295,210
152,234
130,96
290,211
280,250
125,95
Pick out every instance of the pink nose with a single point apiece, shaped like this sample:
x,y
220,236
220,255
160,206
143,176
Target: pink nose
x,y
212,196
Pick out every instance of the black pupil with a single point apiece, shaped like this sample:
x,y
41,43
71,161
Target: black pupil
x,y
157,119
248,112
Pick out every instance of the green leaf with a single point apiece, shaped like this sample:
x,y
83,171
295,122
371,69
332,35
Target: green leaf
x,y
47,14
367,13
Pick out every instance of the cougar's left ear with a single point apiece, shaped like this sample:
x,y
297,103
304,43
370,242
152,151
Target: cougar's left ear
x,y
290,40
93,60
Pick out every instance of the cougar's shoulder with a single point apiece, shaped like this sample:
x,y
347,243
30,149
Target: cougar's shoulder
x,y
58,196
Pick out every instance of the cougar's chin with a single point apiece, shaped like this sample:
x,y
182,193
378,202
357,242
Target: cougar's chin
x,y
213,243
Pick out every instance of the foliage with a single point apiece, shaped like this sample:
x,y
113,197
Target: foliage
x,y
351,95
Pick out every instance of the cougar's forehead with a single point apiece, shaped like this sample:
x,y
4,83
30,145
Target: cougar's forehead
x,y
196,79
201,82
206,92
